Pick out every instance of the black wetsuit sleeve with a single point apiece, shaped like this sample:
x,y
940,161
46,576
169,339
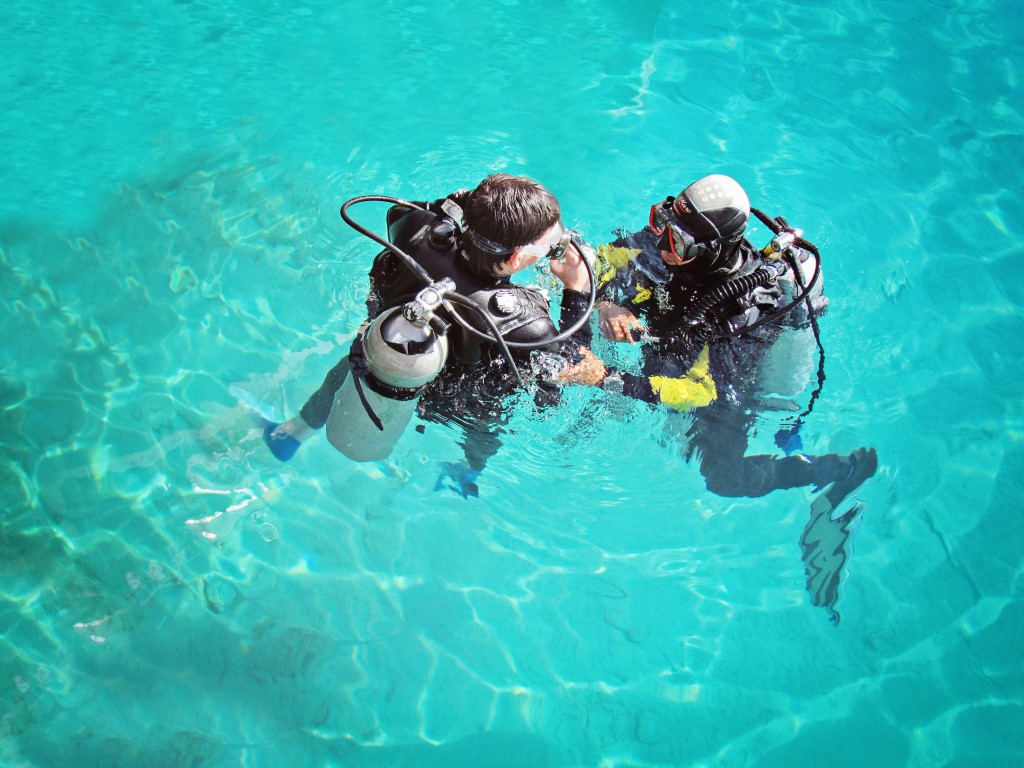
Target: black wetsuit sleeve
x,y
638,387
574,307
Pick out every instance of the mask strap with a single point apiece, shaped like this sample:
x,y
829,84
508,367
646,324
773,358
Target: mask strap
x,y
488,246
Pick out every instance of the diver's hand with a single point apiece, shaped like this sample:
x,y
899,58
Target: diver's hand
x,y
572,270
589,370
617,323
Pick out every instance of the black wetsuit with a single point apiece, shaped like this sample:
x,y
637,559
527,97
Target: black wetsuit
x,y
476,380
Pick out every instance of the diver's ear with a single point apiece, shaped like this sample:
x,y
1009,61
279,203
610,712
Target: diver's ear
x,y
515,261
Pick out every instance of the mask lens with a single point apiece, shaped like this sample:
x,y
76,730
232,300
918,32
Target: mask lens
x,y
673,237
679,242
672,246
656,221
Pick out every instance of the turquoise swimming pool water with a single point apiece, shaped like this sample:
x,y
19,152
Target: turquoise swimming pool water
x,y
171,256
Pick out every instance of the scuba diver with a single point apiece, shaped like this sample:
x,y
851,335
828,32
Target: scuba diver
x,y
727,332
448,332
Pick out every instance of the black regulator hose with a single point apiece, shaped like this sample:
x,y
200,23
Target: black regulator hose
x,y
782,310
731,289
408,260
777,226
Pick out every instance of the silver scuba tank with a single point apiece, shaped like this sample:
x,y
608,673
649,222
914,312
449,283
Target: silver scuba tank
x,y
402,353
788,365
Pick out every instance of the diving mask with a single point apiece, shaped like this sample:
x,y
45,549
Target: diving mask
x,y
553,246
674,238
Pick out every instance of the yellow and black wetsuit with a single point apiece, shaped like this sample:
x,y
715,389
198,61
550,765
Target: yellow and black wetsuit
x,y
717,380
721,383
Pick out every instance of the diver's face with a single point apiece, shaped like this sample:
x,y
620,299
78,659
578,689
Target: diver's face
x,y
670,254
670,258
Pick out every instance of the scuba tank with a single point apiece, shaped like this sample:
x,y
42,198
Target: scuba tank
x,y
397,355
789,363
789,243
